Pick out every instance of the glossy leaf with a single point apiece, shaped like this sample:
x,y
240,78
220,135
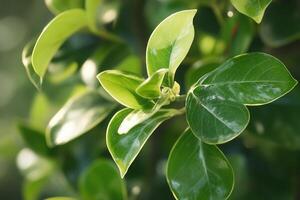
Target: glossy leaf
x,y
121,86
216,102
252,8
250,79
26,60
170,42
214,119
102,181
281,24
76,117
58,6
151,87
125,148
54,35
197,171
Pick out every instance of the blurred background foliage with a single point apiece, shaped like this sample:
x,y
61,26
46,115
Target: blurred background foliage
x,y
266,158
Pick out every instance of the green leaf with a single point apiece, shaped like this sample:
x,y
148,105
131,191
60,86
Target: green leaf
x,y
150,88
35,140
213,119
250,79
125,148
54,35
102,181
58,6
26,60
252,8
216,102
121,86
170,42
197,171
281,24
76,117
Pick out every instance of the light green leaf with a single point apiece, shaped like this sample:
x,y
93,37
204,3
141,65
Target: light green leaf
x,y
58,6
170,42
54,35
121,86
125,148
151,87
26,60
197,171
76,117
61,198
102,181
252,8
216,102
213,119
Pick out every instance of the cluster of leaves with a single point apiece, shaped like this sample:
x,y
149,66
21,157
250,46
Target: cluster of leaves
x,y
215,104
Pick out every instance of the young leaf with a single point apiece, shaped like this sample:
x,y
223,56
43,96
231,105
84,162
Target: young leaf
x,y
254,9
250,79
170,42
216,102
102,181
121,86
197,171
125,148
150,88
53,36
76,117
26,60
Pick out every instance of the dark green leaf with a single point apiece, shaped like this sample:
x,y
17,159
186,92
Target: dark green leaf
x,y
125,148
216,102
121,86
151,87
250,79
76,117
54,35
237,34
197,171
34,139
213,119
281,23
170,42
252,8
102,181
